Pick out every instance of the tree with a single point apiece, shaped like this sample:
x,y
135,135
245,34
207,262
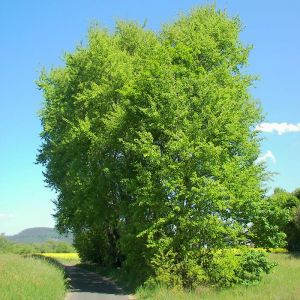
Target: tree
x,y
296,193
5,245
149,141
277,225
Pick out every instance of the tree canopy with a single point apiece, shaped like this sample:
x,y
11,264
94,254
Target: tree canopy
x,y
149,142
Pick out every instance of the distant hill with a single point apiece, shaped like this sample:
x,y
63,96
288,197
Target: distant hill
x,y
39,235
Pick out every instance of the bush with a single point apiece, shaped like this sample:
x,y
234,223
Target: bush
x,y
238,266
253,265
223,268
173,271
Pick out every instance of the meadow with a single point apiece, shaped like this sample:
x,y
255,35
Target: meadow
x,y
29,278
282,283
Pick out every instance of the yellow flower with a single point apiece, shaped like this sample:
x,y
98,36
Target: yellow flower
x,y
66,256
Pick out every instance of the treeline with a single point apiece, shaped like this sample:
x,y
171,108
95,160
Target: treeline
x,y
149,141
7,246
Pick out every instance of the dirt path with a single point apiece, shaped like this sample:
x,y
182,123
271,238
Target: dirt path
x,y
87,285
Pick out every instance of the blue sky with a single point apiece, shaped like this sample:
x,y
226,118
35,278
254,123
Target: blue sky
x,y
37,33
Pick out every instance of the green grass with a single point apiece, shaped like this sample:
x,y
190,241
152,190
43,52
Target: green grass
x,y
29,278
282,284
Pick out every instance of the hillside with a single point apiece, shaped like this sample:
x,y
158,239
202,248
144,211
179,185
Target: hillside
x,y
39,235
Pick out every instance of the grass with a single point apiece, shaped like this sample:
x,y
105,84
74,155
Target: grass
x,y
29,278
281,284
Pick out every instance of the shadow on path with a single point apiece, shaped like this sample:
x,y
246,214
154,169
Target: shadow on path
x,y
89,285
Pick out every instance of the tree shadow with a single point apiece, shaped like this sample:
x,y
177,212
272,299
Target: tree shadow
x,y
83,281
115,274
82,278
294,254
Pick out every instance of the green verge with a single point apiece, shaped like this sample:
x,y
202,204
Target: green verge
x,y
282,283
29,278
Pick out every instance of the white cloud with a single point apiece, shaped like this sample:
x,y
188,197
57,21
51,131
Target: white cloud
x,y
5,216
266,156
280,128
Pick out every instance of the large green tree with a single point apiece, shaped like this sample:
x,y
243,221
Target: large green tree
x,y
149,141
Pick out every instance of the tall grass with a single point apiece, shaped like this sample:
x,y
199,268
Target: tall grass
x,y
282,283
28,278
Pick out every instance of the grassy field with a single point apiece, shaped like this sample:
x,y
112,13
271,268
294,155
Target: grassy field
x,y
282,284
28,278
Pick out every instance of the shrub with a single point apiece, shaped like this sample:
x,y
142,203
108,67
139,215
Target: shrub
x,y
238,266
173,271
223,267
252,265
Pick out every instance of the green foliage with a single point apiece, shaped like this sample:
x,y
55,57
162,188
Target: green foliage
x,y
53,247
90,246
296,193
149,141
238,266
7,246
253,265
282,283
277,226
180,273
297,217
267,230
223,267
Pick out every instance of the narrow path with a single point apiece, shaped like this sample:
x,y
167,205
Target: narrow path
x,y
85,285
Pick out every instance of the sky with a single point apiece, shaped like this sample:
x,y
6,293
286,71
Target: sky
x,y
36,34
